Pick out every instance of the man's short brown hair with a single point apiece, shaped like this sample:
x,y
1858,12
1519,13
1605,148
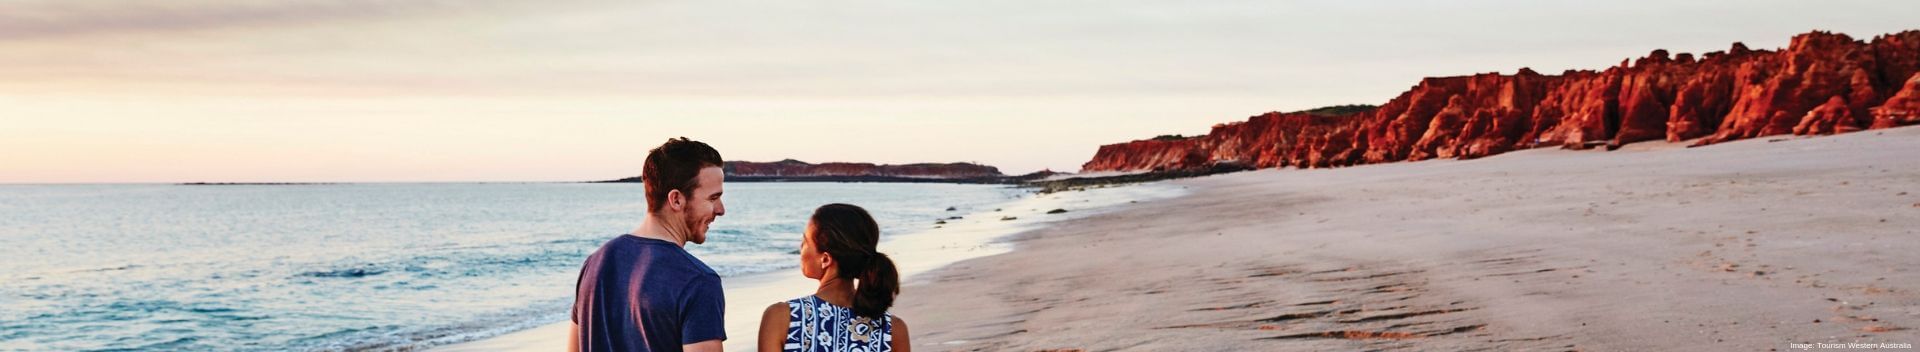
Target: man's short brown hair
x,y
675,165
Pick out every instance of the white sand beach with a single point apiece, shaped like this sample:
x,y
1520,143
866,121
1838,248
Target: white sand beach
x,y
1750,245
1746,246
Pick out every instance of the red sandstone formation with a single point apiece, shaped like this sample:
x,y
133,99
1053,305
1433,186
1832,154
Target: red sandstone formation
x,y
1823,83
1902,109
796,168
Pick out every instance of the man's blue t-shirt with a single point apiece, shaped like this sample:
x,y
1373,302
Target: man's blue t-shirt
x,y
643,294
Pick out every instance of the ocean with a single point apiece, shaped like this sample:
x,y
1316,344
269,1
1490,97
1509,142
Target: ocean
x,y
364,266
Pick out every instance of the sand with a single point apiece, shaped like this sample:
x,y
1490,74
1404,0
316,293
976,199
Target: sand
x,y
1744,246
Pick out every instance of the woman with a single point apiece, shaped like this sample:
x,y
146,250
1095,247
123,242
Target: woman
x,y
857,285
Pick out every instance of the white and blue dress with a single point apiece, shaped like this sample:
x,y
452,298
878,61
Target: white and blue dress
x,y
817,326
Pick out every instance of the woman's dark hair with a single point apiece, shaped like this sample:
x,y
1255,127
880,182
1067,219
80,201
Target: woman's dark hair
x,y
675,165
850,235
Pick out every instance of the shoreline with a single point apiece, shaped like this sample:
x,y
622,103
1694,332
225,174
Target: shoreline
x,y
916,253
1749,245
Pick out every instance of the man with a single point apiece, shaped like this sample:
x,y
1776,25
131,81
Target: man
x,y
642,291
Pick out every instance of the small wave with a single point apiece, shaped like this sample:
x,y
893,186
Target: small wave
x,y
396,338
588,240
210,310
115,268
346,273
183,343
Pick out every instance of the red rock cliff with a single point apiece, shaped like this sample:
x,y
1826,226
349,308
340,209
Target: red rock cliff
x,y
1822,83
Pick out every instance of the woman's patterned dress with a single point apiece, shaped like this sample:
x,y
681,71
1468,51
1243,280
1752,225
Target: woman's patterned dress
x,y
817,326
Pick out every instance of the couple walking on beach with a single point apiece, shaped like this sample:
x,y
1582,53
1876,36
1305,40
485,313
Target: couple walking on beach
x,y
643,291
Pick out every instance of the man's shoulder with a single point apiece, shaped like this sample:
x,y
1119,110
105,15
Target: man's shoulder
x,y
700,267
630,245
652,255
618,246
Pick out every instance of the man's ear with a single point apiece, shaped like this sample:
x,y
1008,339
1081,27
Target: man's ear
x,y
676,200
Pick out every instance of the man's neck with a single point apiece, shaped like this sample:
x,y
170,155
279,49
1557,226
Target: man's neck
x,y
658,228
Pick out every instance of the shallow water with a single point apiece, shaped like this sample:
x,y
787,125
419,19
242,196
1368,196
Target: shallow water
x,y
353,266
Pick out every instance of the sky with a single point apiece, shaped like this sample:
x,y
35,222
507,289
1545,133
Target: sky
x,y
109,91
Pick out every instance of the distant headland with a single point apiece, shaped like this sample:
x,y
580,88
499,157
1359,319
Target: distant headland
x,y
790,170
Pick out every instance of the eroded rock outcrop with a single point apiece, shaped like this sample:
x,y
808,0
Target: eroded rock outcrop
x,y
1822,83
1902,109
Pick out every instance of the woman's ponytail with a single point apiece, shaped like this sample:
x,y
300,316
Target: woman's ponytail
x,y
848,234
877,286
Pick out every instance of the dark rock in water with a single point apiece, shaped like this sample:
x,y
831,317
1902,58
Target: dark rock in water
x,y
1007,218
794,252
954,217
1056,211
939,222
951,209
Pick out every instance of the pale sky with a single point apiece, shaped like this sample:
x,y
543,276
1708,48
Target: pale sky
x,y
523,90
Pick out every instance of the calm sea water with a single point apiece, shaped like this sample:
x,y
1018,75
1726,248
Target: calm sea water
x,y
356,266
